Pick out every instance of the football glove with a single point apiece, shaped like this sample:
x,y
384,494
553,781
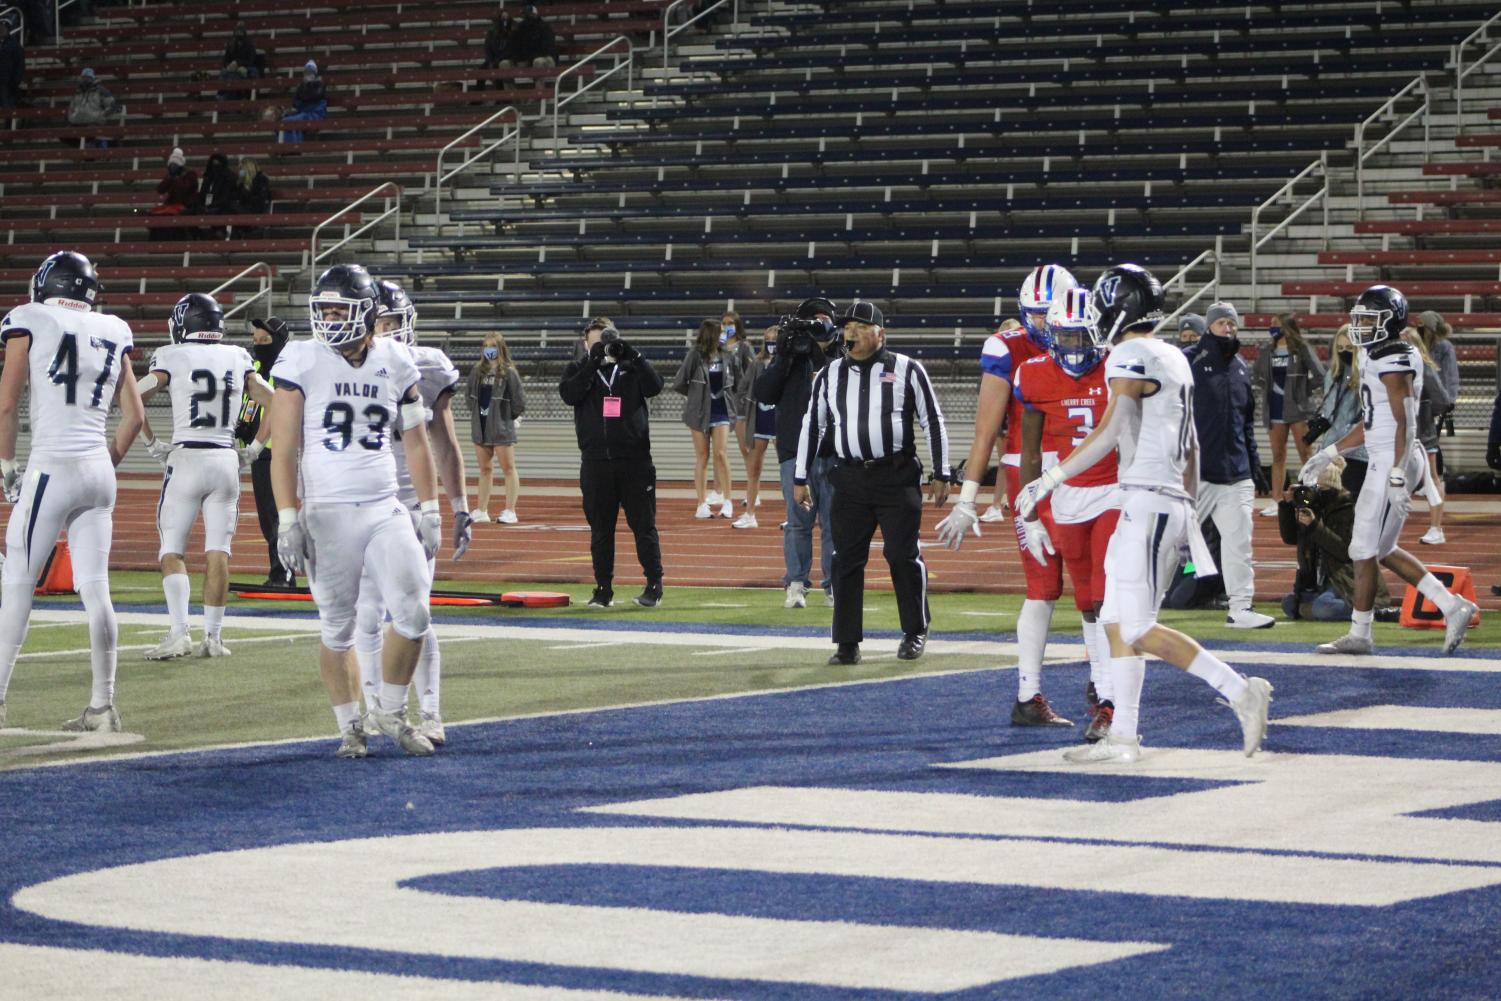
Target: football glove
x,y
1397,491
1316,464
250,453
1034,493
430,530
12,473
1035,538
959,523
292,542
463,534
160,450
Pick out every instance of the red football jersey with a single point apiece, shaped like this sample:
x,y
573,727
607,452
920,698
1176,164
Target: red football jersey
x,y
1071,408
1004,353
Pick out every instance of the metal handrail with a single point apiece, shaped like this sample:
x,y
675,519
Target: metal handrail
x,y
668,31
1482,33
557,85
1322,166
1212,286
57,19
263,289
1362,153
20,28
439,177
393,190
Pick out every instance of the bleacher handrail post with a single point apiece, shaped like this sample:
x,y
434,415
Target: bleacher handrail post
x,y
558,100
391,191
668,31
1362,153
20,28
1181,279
1321,166
1482,34
263,288
57,19
439,177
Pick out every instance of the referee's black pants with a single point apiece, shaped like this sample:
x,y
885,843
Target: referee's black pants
x,y
265,512
609,485
887,496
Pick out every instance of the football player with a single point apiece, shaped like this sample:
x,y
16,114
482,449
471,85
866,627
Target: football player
x,y
396,317
1391,381
1004,352
338,399
205,378
1150,415
1063,394
76,361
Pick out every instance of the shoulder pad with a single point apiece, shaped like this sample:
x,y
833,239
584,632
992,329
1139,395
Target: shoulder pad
x,y
1391,347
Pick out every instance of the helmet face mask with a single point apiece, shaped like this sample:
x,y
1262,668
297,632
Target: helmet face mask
x,y
196,317
1072,337
1040,289
69,277
342,306
1379,314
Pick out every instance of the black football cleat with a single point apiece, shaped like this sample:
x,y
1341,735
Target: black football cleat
x,y
911,646
1037,712
847,654
1099,726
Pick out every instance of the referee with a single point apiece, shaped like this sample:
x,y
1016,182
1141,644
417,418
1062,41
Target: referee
x,y
865,404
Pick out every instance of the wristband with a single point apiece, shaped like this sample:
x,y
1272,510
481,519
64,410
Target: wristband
x,y
459,504
969,492
286,517
431,507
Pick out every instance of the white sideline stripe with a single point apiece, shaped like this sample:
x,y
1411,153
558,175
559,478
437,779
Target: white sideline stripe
x,y
584,646
732,651
85,651
1427,719
47,973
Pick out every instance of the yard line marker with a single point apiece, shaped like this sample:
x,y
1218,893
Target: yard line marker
x,y
585,646
730,652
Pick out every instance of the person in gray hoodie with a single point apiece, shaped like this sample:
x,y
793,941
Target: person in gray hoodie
x,y
710,379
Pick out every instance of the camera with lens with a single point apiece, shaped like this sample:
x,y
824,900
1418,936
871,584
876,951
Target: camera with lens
x,y
800,337
1303,495
1317,426
614,346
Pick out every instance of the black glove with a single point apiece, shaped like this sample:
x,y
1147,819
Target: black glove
x,y
597,353
624,352
1259,478
1493,456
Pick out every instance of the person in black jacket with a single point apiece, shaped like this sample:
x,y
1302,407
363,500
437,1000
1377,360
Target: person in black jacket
x,y
608,389
786,384
497,41
532,43
1224,408
269,336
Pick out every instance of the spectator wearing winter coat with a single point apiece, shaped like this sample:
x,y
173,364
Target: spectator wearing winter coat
x,y
179,191
252,190
1288,376
310,102
532,43
710,378
92,104
497,41
1229,466
1434,402
216,188
240,62
1341,406
497,402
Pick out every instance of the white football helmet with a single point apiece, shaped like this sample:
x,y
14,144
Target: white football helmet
x,y
1038,292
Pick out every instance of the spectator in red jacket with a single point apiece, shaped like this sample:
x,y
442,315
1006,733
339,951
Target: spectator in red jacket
x,y
179,191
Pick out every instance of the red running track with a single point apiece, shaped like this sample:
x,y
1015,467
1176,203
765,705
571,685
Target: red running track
x,y
551,545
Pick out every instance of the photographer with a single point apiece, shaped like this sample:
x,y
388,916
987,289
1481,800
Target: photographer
x,y
608,389
805,343
1319,521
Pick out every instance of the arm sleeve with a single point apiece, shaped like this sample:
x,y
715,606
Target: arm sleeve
x,y
930,416
813,420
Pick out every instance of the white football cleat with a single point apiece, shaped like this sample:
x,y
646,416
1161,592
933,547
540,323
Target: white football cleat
x,y
431,727
797,595
1349,643
746,520
1251,709
395,726
702,511
1248,618
103,720
478,517
213,646
172,647
992,515
1109,749
353,743
507,517
1457,624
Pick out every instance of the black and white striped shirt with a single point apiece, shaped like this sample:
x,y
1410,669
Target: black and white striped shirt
x,y
866,409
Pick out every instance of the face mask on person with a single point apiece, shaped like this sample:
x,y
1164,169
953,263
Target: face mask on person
x,y
729,330
1276,333
491,354
1346,358
770,346
724,337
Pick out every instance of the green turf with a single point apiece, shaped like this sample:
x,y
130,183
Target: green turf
x,y
9,740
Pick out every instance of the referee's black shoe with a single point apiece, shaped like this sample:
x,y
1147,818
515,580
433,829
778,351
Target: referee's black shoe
x,y
848,653
651,597
911,646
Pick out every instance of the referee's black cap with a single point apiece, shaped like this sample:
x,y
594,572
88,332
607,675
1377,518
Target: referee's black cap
x,y
860,311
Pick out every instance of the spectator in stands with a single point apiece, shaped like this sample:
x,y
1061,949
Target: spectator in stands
x,y
532,43
1191,327
216,187
763,428
92,104
1287,372
252,190
733,338
1319,521
1229,466
1341,406
12,61
1434,402
709,377
309,103
497,41
496,403
241,62
179,191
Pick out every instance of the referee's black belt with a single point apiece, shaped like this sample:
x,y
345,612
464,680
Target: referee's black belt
x,y
889,460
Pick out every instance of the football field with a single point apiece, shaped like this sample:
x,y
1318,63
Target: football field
x,y
688,803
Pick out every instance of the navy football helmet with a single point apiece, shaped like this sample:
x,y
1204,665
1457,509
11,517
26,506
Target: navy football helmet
x,y
392,301
67,275
346,286
1124,296
1379,313
196,317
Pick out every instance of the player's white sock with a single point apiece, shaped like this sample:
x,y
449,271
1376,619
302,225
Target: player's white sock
x,y
175,586
1126,676
1442,598
1097,645
1224,678
15,615
368,657
429,670
104,640
1031,640
347,714
213,621
393,698
1360,622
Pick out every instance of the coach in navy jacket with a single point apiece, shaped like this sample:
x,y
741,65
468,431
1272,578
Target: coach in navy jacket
x,y
1229,467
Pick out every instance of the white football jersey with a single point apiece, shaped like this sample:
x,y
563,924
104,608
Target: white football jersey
x,y
74,362
349,415
1375,405
438,376
1156,452
208,379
